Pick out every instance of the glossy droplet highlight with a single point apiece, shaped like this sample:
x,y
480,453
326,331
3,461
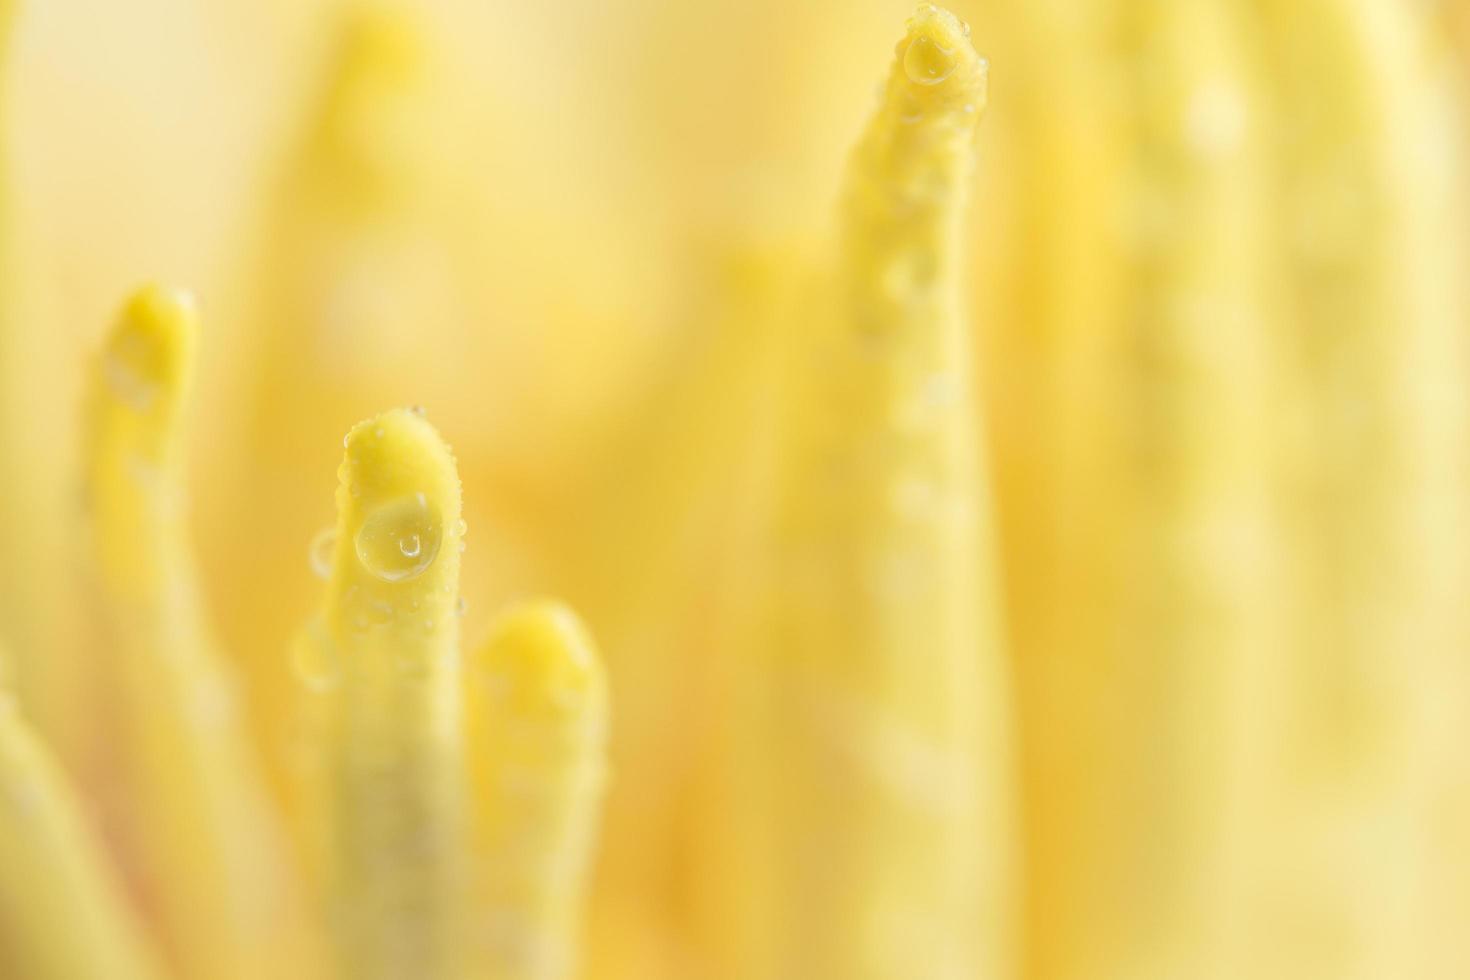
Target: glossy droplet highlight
x,y
927,63
323,547
400,539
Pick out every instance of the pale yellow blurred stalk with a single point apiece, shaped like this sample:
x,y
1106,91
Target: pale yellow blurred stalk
x,y
63,914
1359,847
1133,501
197,828
536,727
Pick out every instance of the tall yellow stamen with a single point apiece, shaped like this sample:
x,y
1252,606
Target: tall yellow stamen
x,y
196,817
538,715
891,697
397,875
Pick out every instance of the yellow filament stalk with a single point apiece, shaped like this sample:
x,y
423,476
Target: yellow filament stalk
x,y
62,916
197,820
396,881
891,700
538,718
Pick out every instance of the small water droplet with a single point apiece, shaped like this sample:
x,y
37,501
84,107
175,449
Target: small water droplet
x,y
119,369
927,63
323,548
411,664
462,526
461,546
314,658
346,440
417,410
459,606
400,539
381,613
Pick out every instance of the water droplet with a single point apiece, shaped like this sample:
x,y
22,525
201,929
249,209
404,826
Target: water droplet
x,y
323,547
400,539
462,526
459,606
461,547
927,63
411,664
314,658
381,613
346,440
119,369
1215,121
417,410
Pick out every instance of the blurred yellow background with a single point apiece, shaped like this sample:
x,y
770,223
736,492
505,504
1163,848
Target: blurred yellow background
x,y
1215,271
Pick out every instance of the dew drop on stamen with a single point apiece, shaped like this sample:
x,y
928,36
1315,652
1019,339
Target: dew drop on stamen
x,y
927,63
323,547
400,539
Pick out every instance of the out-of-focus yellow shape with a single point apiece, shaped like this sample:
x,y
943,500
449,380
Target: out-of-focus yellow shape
x,y
891,705
397,875
537,733
1150,511
62,915
196,824
1359,864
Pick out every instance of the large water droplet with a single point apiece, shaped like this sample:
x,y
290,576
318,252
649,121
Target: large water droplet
x,y
323,547
927,63
400,539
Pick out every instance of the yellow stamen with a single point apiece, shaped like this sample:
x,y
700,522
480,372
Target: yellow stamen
x,y
891,699
396,881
